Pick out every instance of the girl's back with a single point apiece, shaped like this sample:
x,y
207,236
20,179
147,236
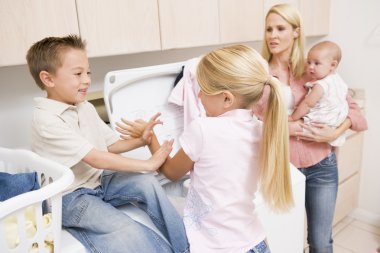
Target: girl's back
x,y
223,183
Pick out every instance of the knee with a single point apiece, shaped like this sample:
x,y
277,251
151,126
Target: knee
x,y
148,183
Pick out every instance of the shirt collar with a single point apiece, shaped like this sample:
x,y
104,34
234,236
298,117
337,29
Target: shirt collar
x,y
53,106
243,114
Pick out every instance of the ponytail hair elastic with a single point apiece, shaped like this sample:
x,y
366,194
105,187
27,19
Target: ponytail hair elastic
x,y
267,82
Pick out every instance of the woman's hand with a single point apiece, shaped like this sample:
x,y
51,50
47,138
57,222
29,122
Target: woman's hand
x,y
138,128
317,132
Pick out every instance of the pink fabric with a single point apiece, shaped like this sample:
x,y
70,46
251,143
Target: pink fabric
x,y
219,215
185,93
305,153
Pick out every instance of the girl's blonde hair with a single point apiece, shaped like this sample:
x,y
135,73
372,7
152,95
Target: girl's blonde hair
x,y
293,17
242,71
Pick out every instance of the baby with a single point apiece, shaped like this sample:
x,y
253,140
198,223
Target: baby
x,y
326,102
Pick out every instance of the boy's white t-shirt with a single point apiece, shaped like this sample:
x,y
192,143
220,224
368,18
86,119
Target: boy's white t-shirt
x,y
66,133
219,213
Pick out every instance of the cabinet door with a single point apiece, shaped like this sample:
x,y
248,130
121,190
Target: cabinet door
x,y
22,23
114,27
241,20
350,156
316,16
188,23
269,3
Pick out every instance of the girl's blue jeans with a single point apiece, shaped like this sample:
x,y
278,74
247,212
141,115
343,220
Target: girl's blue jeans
x,y
91,216
321,193
262,247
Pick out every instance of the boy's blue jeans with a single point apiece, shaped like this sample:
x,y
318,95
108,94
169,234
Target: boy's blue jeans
x,y
321,193
91,216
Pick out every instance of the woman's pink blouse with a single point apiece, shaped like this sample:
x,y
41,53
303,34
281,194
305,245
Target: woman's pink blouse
x,y
306,153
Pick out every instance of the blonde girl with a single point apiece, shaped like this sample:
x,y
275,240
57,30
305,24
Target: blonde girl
x,y
230,152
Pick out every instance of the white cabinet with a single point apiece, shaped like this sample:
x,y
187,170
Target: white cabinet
x,y
24,22
316,16
241,20
115,27
269,3
349,163
119,26
199,23
185,23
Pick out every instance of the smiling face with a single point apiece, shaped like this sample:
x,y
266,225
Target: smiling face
x,y
70,81
279,35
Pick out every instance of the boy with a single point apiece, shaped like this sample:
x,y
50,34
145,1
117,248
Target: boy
x,y
326,102
67,129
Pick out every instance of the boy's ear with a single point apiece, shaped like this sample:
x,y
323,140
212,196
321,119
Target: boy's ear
x,y
229,99
46,79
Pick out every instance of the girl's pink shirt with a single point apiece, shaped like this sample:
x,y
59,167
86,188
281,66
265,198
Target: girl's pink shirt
x,y
304,154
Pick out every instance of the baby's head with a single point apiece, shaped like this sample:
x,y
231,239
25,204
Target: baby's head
x,y
238,70
323,59
48,53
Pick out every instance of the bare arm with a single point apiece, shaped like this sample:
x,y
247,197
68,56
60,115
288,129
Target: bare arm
x,y
324,133
122,146
307,103
176,167
134,134
105,160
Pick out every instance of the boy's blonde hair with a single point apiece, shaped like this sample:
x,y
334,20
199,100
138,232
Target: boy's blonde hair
x,y
46,54
242,71
293,17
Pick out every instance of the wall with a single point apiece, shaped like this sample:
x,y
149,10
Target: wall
x,y
355,26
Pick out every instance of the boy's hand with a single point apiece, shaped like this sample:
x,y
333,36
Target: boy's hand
x,y
159,157
138,129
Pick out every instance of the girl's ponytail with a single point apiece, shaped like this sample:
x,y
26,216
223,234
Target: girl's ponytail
x,y
274,171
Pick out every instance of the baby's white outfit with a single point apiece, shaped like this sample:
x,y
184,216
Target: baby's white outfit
x,y
332,108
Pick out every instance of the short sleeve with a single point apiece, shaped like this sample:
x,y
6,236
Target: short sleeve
x,y
191,140
358,121
109,135
323,84
61,143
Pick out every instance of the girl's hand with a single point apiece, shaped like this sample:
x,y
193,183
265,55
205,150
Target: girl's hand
x,y
138,129
317,132
159,157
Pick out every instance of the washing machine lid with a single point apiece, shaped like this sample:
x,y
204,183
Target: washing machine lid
x,y
140,93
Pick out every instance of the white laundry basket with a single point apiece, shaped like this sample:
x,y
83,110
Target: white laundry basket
x,y
15,234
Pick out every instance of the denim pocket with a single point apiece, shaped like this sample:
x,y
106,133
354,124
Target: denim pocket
x,y
329,161
325,172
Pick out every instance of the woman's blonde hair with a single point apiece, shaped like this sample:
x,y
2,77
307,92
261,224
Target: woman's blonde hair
x,y
291,15
242,71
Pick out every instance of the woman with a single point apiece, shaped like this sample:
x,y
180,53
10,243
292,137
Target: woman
x,y
309,152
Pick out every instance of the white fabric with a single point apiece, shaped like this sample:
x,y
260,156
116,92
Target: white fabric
x,y
185,93
219,214
66,133
288,97
332,108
